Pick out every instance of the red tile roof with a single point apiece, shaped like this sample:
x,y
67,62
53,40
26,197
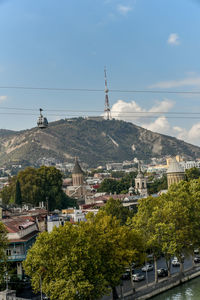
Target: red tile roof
x,y
13,224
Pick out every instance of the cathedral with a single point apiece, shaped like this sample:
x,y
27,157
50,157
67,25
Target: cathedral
x,y
175,172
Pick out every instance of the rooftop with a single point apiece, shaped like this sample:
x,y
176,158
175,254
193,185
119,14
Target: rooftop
x,y
77,169
174,167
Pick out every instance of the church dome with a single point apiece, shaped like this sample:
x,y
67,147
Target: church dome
x,y
77,169
131,189
175,167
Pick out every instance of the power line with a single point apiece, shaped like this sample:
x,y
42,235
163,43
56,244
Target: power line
x,y
99,90
101,111
121,116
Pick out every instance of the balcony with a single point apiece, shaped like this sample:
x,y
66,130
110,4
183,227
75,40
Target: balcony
x,y
17,257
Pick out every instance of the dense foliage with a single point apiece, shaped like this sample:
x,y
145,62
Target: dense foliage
x,y
116,209
82,261
192,173
35,185
170,224
3,246
110,185
157,185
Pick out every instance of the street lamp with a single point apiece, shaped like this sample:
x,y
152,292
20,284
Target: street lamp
x,y
6,279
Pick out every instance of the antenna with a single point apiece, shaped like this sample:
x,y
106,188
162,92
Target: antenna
x,y
107,106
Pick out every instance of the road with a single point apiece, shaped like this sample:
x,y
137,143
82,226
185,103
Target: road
x,y
150,275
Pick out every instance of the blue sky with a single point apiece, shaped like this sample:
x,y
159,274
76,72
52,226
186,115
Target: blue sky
x,y
145,44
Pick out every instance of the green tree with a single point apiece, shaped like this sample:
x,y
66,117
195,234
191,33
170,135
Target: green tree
x,y
18,196
8,192
3,246
145,222
43,184
157,185
116,209
117,174
192,173
3,241
175,221
83,261
110,185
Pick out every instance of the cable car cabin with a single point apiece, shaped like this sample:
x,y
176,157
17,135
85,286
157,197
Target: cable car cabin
x,y
42,121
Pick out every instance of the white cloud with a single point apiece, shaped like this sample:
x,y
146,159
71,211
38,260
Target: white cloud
x,y
160,125
192,135
190,81
173,39
3,98
124,9
133,112
163,106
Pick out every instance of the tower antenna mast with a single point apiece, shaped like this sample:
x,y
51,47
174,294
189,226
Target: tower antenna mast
x,y
107,106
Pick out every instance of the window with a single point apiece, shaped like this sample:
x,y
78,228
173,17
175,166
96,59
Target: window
x,y
8,252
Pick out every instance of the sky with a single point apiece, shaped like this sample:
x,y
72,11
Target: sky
x,y
146,45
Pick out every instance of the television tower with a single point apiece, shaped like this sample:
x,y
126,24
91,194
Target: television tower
x,y
107,106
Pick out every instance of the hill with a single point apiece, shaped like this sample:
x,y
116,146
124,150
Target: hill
x,y
93,141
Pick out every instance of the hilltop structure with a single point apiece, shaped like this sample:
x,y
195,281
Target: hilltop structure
x,y
107,105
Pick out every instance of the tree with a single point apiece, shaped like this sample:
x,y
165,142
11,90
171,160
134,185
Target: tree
x,y
3,241
3,246
192,173
8,192
116,209
157,185
173,221
144,221
82,261
37,185
18,196
110,185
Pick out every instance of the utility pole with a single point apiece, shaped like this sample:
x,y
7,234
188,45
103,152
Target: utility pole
x,y
41,297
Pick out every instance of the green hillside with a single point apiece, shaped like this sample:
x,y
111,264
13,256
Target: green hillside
x,y
94,142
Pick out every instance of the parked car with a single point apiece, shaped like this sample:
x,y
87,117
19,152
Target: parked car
x,y
175,262
138,277
197,259
162,272
150,258
126,274
196,251
147,268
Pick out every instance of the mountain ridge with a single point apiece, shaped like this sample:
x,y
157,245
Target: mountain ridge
x,y
95,142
